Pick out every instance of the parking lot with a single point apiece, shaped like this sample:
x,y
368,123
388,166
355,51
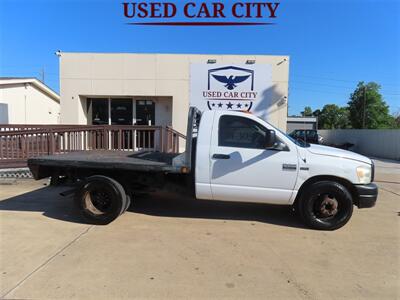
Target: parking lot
x,y
177,248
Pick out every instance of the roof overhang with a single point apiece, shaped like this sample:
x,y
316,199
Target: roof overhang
x,y
33,81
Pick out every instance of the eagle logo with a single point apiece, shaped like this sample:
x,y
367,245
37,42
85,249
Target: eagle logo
x,y
230,78
230,82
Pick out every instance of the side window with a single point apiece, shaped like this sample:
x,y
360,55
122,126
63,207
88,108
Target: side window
x,y
311,133
241,132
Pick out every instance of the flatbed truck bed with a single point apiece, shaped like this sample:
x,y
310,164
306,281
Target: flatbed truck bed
x,y
142,161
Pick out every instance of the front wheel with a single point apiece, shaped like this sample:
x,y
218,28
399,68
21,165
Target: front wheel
x,y
326,205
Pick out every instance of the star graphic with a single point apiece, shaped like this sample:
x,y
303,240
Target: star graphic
x,y
220,105
229,105
213,104
239,105
246,105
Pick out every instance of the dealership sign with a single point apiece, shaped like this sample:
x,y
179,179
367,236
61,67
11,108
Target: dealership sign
x,y
199,13
229,87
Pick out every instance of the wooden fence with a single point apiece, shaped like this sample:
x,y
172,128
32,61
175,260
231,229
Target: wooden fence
x,y
20,142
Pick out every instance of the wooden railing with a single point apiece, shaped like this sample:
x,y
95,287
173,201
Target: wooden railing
x,y
175,140
18,127
17,144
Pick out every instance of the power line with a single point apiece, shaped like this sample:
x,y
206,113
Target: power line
x,y
322,84
342,87
315,91
342,80
330,92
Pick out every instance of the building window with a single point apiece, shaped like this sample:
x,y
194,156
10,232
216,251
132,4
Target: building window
x,y
98,109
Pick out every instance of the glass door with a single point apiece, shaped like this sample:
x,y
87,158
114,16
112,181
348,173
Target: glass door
x,y
145,112
121,112
145,115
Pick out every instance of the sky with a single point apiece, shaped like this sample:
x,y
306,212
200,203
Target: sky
x,y
332,44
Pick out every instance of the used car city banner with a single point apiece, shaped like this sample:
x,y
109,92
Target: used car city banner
x,y
231,87
190,13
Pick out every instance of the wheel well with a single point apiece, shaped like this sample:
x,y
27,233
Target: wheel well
x,y
347,184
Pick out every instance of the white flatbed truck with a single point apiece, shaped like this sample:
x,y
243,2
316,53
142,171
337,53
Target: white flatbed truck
x,y
230,156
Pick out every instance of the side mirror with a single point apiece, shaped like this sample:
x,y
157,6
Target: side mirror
x,y
270,139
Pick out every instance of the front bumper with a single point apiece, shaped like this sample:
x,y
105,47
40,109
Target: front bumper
x,y
367,195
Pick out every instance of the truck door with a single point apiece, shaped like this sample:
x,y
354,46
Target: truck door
x,y
241,169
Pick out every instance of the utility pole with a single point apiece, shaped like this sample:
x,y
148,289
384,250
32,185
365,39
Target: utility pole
x,y
364,106
42,75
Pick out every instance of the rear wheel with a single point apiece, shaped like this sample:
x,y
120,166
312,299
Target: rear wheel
x,y
326,205
101,199
129,197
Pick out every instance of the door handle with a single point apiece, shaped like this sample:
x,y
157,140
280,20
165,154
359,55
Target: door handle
x,y
221,156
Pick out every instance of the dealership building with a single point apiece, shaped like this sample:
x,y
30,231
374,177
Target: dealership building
x,y
157,89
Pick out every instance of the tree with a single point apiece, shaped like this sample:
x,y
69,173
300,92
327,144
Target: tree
x,y
333,117
396,119
307,112
368,109
316,113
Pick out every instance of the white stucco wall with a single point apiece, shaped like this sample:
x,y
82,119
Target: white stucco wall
x,y
383,143
24,103
126,74
164,111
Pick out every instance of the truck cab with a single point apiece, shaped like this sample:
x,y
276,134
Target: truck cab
x,y
240,157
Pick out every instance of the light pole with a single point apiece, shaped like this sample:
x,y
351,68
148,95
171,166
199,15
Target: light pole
x,y
364,106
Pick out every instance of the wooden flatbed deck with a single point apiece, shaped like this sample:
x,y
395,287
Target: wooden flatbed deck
x,y
104,159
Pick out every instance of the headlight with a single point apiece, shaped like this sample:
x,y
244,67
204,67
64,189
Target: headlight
x,y
364,174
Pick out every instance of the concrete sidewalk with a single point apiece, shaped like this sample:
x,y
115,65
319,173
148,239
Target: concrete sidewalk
x,y
175,248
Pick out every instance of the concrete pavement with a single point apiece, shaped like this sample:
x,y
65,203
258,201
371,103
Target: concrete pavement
x,y
174,248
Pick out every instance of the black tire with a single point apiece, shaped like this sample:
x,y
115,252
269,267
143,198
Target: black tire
x,y
326,205
129,198
101,199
